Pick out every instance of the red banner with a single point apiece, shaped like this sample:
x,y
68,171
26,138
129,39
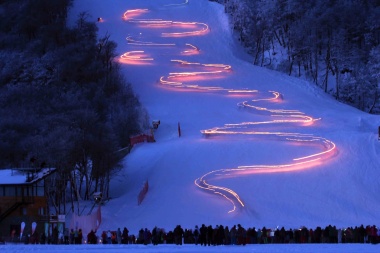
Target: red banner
x,y
143,193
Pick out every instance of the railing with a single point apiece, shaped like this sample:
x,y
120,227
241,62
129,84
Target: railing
x,y
9,210
10,204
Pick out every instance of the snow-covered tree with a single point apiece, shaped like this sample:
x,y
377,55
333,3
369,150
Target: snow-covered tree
x,y
330,42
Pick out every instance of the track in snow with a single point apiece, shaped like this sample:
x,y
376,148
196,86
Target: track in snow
x,y
277,119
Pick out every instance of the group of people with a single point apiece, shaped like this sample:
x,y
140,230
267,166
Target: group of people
x,y
238,235
116,237
217,235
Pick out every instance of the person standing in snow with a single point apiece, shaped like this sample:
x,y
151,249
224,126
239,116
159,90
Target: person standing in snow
x,y
113,237
178,234
13,235
241,234
80,236
76,232
109,235
66,236
155,236
55,235
125,235
210,232
196,235
258,236
233,235
340,235
220,235
203,235
91,237
264,235
118,236
227,237
147,236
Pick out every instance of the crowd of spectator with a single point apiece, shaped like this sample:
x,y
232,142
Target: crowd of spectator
x,y
217,235
238,235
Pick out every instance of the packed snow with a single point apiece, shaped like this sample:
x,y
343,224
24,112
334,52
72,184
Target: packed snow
x,y
340,189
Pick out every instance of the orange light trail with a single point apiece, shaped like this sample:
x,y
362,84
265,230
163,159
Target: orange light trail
x,y
217,69
300,163
136,55
192,51
132,41
180,81
185,2
136,58
277,116
202,28
130,14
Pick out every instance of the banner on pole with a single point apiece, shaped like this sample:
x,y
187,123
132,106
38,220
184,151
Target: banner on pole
x,y
22,229
34,225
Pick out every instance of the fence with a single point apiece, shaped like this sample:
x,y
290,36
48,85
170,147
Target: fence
x,y
141,138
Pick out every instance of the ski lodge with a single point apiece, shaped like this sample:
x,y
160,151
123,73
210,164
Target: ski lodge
x,y
23,199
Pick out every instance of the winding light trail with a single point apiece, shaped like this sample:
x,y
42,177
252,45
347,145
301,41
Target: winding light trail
x,y
135,56
185,2
173,80
193,50
132,41
204,71
200,28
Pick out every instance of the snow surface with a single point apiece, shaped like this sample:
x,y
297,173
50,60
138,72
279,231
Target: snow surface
x,y
341,190
20,176
166,248
9,176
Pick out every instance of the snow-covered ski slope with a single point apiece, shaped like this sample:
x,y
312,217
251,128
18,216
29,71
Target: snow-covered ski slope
x,y
169,47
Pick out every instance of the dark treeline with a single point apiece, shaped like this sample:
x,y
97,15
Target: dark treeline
x,y
336,44
63,102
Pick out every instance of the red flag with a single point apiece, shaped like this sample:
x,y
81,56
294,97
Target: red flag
x,y
99,217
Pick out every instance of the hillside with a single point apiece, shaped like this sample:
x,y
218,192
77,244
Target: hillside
x,y
340,189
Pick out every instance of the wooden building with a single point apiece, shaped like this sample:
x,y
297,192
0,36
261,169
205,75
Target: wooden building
x,y
23,199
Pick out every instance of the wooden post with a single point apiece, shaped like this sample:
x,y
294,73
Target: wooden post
x,y
152,134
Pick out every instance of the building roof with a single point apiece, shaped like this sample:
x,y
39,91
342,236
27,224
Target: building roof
x,y
23,175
